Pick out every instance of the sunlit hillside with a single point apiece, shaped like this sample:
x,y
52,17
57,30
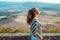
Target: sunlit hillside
x,y
13,17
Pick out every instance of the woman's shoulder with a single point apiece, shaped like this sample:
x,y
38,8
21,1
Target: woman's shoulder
x,y
38,22
35,21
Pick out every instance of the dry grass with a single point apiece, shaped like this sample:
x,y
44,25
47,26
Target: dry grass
x,y
21,30
42,19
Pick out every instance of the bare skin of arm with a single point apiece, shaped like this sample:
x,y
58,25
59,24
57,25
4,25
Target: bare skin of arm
x,y
39,36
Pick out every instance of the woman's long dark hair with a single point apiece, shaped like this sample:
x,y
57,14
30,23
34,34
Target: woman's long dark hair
x,y
31,14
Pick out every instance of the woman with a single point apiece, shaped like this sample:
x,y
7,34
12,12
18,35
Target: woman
x,y
35,25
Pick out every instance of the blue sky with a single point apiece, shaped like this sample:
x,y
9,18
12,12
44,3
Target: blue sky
x,y
47,1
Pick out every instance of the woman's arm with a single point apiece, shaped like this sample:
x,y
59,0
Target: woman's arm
x,y
39,36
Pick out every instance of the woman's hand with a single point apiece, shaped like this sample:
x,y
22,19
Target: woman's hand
x,y
41,38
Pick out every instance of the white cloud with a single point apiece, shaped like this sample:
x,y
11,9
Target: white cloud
x,y
48,1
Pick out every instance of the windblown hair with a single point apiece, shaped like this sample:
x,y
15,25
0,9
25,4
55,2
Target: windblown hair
x,y
31,14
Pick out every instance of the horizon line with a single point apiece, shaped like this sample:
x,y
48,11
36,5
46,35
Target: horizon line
x,y
30,1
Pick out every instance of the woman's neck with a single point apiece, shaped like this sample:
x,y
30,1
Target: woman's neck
x,y
35,17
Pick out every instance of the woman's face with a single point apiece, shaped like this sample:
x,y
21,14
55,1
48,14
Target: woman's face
x,y
38,12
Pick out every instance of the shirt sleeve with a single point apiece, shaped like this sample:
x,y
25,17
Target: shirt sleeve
x,y
40,28
35,28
